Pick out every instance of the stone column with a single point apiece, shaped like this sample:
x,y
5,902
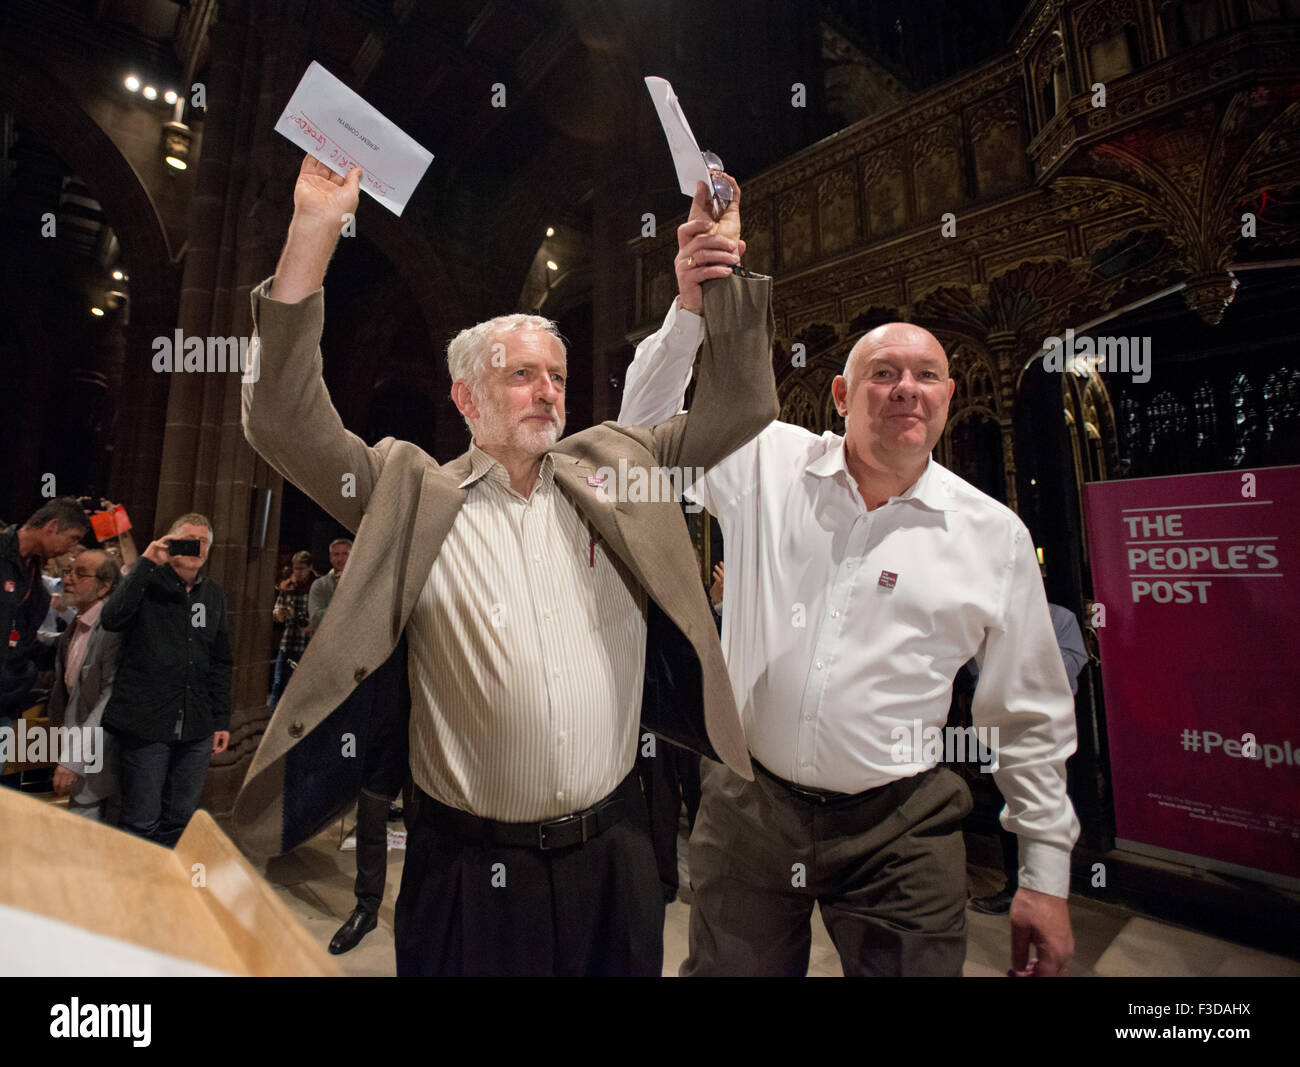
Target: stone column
x,y
1002,348
207,465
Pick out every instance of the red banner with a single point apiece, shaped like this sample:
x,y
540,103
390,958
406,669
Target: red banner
x,y
1198,617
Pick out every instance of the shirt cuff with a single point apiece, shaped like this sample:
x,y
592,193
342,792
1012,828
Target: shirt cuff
x,y
682,327
1044,867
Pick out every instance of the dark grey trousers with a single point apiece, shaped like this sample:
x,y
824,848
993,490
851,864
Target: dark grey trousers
x,y
888,870
161,784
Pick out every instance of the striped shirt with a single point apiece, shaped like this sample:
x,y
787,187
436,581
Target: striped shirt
x,y
527,648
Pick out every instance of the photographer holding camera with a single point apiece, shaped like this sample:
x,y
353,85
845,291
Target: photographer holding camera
x,y
170,709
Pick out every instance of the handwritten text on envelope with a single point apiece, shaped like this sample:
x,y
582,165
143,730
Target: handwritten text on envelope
x,y
332,123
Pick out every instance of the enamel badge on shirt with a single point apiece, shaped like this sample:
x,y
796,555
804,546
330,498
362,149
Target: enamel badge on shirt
x,y
888,579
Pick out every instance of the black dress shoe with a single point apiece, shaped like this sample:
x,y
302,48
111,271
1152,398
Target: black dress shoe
x,y
359,923
998,904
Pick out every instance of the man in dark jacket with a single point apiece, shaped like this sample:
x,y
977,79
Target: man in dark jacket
x,y
51,531
170,709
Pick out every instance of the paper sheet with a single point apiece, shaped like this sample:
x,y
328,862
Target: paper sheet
x,y
687,157
333,124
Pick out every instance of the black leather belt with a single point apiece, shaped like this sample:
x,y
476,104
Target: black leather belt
x,y
561,832
814,796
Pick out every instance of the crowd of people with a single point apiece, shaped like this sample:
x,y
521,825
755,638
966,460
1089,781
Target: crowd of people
x,y
137,649
135,646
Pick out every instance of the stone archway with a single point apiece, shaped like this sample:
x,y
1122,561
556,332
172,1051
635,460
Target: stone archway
x,y
47,108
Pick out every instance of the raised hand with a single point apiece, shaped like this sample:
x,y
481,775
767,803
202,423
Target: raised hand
x,y
157,552
321,195
706,247
321,199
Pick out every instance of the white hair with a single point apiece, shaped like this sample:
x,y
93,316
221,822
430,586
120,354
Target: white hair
x,y
470,352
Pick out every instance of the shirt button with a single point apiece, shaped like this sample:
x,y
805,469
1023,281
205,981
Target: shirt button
x,y
560,739
819,666
807,718
851,562
546,614
537,557
835,614
555,673
559,796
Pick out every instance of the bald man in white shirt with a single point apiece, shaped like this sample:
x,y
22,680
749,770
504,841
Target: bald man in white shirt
x,y
861,575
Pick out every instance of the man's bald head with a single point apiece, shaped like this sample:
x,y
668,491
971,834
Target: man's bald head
x,y
891,335
894,395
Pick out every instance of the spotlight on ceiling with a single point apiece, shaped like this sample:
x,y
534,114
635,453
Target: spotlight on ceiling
x,y
552,265
550,231
170,96
176,144
118,275
97,312
150,93
132,83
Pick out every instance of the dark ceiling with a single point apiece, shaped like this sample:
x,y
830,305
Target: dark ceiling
x,y
576,109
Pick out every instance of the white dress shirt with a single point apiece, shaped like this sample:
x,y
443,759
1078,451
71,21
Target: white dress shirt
x,y
526,657
841,624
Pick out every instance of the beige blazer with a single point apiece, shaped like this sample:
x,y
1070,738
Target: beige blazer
x,y
401,504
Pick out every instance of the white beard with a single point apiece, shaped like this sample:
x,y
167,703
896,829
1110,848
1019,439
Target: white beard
x,y
495,427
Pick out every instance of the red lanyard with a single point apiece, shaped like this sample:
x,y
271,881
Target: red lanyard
x,y
31,581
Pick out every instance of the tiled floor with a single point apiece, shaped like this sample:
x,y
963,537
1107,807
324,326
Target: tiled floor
x,y
316,883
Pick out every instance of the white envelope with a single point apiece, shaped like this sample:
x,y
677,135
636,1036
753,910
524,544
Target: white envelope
x,y
687,157
334,125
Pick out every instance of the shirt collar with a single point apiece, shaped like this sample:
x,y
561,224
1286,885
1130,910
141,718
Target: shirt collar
x,y
481,465
87,618
932,490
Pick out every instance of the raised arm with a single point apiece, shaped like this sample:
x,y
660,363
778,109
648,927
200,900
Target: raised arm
x,y
736,393
661,369
123,603
735,397
287,414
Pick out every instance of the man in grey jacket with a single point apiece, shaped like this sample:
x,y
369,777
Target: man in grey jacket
x,y
85,664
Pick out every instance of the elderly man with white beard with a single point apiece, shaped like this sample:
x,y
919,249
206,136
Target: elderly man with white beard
x,y
523,591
